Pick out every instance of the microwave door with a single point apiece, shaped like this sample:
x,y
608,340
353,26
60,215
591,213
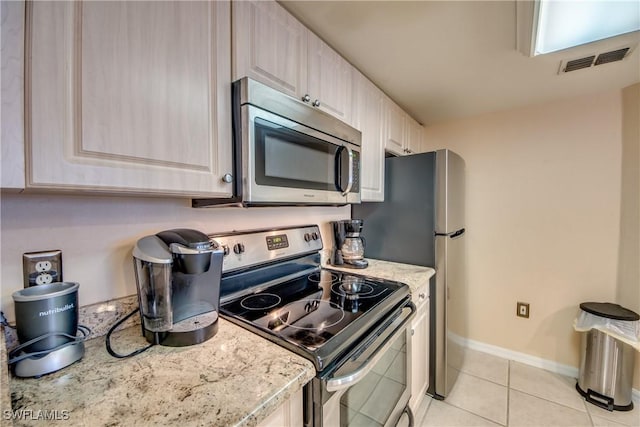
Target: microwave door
x,y
291,164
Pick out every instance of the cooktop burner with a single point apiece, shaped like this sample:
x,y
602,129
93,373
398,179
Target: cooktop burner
x,y
262,301
311,310
281,293
323,277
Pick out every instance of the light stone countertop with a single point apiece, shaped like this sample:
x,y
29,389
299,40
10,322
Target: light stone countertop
x,y
413,275
235,378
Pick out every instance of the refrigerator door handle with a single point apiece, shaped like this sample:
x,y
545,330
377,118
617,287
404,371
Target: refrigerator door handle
x,y
453,234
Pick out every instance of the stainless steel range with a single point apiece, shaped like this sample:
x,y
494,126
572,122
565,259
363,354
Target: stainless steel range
x,y
355,329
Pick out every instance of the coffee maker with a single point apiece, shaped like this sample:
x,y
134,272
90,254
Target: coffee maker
x,y
178,280
349,245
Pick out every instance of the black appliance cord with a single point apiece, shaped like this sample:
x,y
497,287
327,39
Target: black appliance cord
x,y
13,358
113,328
4,321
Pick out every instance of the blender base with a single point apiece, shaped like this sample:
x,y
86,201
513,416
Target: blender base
x,y
37,366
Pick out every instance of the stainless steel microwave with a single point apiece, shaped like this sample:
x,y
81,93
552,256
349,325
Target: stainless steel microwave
x,y
287,152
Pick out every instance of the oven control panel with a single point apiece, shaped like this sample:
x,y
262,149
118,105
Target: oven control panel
x,y
277,242
244,249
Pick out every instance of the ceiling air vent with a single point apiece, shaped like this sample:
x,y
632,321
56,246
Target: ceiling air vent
x,y
595,59
613,56
577,64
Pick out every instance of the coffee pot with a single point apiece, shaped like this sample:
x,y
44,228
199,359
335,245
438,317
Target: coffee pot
x,y
178,280
349,245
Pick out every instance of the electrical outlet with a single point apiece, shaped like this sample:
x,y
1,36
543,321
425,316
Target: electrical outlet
x,y
522,309
41,268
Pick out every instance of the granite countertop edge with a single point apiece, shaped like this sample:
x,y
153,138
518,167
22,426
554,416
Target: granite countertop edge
x,y
257,378
234,379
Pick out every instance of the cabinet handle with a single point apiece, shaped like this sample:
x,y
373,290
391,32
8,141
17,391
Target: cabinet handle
x,y
421,296
306,98
227,177
316,103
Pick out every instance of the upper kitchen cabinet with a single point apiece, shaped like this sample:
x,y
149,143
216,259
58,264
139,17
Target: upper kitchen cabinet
x,y
129,97
394,128
12,77
269,45
273,47
367,111
402,134
329,79
415,133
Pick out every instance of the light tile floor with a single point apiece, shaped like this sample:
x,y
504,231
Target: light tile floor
x,y
491,391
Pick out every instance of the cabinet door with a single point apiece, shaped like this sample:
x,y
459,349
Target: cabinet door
x,y
12,76
289,414
419,354
367,109
269,45
414,137
129,97
329,79
394,125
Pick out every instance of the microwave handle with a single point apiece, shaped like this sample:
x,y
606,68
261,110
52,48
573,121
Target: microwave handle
x,y
350,178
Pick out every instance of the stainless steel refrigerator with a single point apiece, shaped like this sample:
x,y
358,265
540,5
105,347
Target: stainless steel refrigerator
x,y
422,222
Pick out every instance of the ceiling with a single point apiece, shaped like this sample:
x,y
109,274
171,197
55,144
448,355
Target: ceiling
x,y
442,60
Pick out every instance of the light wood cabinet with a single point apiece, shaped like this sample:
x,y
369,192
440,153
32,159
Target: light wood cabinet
x,y
289,414
402,134
269,45
419,349
273,47
414,137
394,128
329,79
12,78
367,111
129,97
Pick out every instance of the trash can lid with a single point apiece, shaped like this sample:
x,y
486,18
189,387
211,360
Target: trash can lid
x,y
609,310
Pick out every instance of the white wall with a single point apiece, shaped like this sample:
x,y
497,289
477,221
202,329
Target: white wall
x,y
96,235
543,217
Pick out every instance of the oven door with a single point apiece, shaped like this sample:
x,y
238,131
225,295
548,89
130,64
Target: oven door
x,y
372,385
288,163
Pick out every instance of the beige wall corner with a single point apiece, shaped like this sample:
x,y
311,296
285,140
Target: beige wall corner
x,y
543,216
628,283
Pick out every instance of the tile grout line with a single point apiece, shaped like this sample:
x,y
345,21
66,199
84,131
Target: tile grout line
x,y
483,378
584,402
547,399
472,413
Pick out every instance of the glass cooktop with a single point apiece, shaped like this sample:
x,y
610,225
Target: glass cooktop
x,y
318,315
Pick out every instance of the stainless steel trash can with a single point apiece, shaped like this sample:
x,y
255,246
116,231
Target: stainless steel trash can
x,y
606,364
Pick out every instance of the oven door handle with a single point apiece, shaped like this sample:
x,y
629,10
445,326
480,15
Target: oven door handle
x,y
346,381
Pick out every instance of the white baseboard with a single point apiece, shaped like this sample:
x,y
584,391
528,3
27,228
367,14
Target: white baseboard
x,y
527,359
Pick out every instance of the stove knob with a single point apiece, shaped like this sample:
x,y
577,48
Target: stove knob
x,y
225,248
238,248
314,236
307,237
